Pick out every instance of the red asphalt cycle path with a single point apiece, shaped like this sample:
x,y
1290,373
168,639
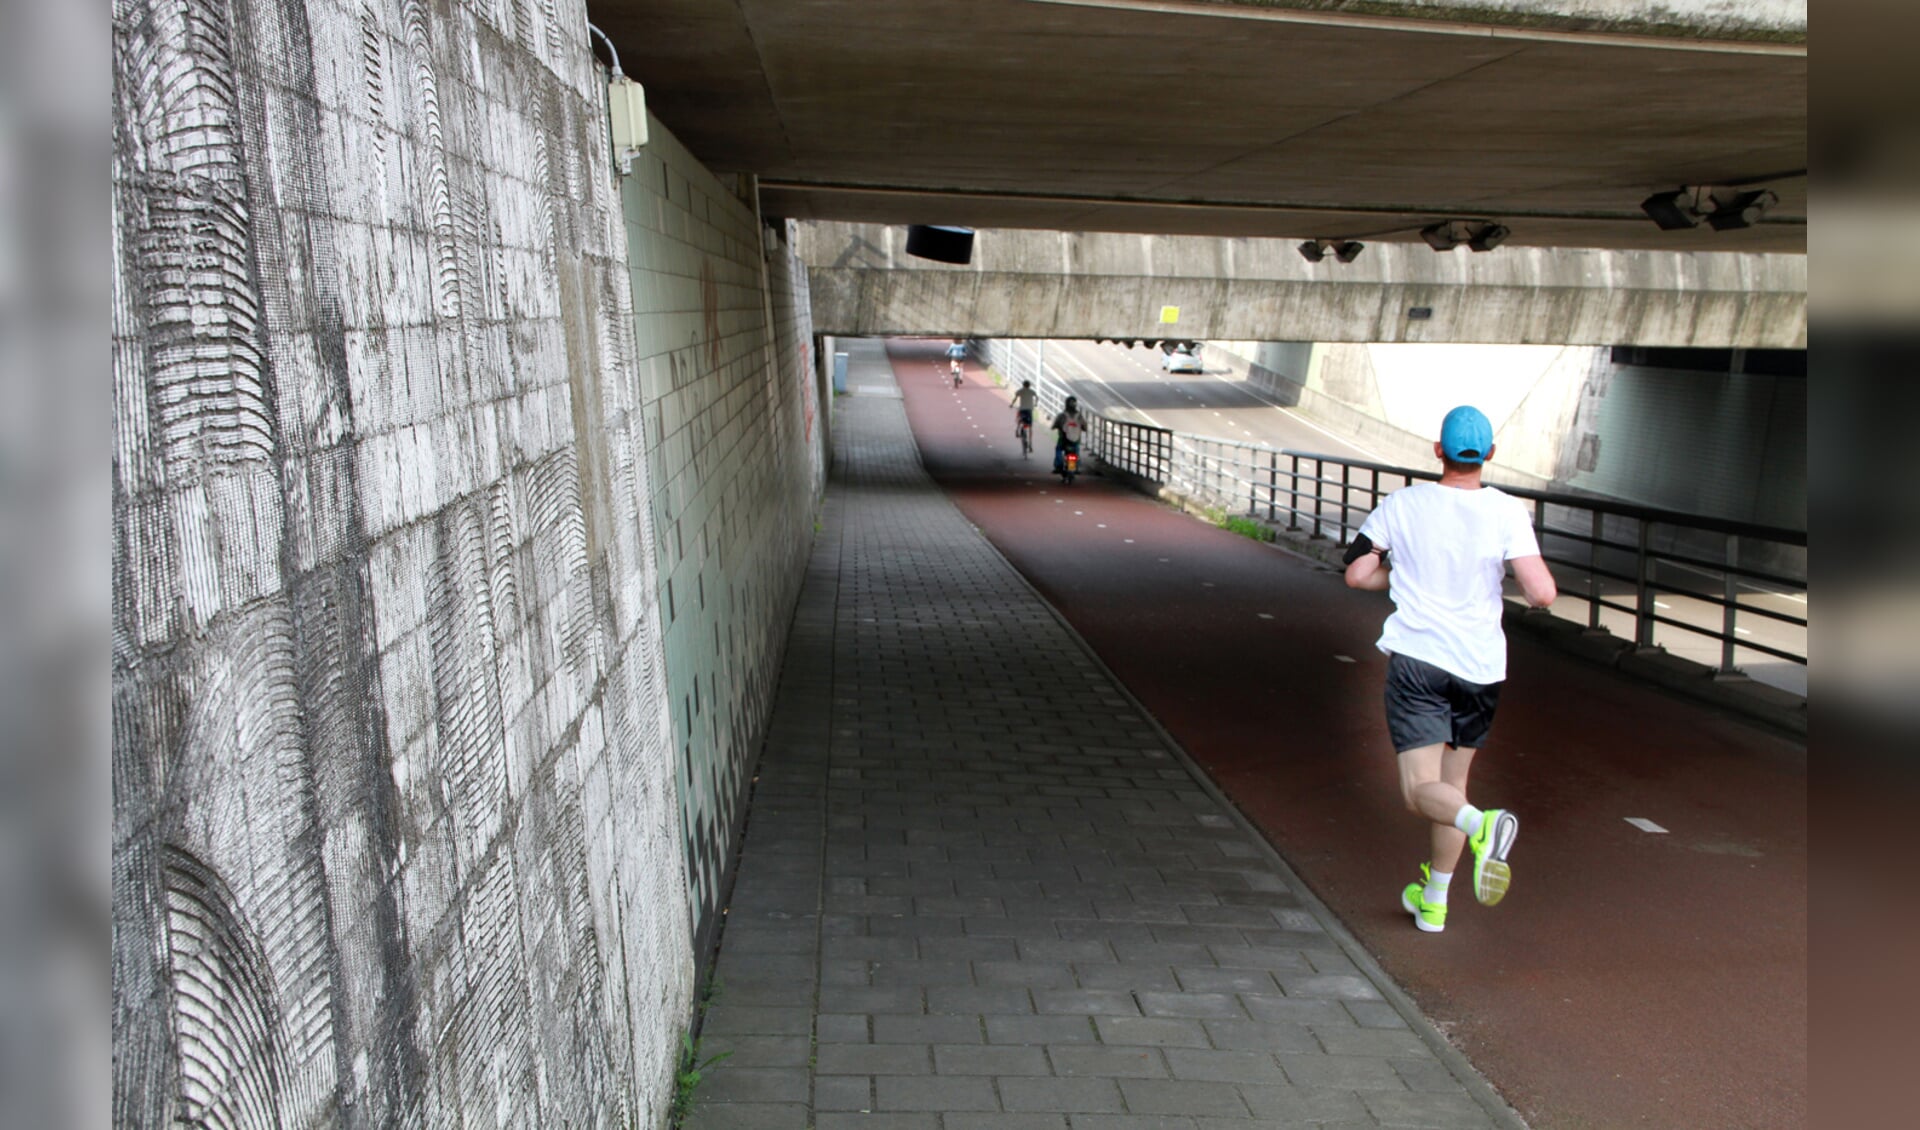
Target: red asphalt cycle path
x,y
1629,979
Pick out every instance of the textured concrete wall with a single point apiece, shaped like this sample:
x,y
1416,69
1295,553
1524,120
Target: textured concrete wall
x,y
1391,398
1734,445
1735,19
1093,284
728,394
396,833
1720,444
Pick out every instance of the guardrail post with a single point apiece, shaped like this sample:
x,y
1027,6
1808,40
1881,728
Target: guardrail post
x,y
1273,483
1729,613
1253,492
1643,593
1293,494
1346,493
1319,499
1593,578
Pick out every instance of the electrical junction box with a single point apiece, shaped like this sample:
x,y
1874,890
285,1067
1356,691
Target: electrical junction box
x,y
627,104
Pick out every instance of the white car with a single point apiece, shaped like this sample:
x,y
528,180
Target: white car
x,y
1181,360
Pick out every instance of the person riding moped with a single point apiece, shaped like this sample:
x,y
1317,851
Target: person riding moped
x,y
1068,427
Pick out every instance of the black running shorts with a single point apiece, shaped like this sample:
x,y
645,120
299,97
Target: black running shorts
x,y
1428,706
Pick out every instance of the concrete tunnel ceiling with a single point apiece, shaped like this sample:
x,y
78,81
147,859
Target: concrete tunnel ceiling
x,y
1120,115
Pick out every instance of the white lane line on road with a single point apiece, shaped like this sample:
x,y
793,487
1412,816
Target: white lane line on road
x,y
1344,658
1096,378
1244,387
1266,615
1645,825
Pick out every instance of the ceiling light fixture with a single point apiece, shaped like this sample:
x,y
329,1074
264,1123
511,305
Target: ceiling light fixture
x,y
1680,209
1740,209
1480,235
1489,237
1724,208
1344,250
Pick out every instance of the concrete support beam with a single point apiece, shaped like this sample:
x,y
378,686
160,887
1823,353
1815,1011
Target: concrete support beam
x,y
1091,284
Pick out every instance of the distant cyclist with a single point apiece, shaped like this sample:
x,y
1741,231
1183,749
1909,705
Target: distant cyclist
x,y
1068,427
1023,403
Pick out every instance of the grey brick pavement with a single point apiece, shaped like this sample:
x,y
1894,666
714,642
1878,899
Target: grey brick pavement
x,y
953,912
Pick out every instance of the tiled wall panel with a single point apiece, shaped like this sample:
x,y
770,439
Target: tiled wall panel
x,y
729,396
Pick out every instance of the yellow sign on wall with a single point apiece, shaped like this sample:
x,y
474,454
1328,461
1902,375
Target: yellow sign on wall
x,y
1169,315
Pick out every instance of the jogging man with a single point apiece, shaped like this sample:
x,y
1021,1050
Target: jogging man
x,y
1023,402
1450,542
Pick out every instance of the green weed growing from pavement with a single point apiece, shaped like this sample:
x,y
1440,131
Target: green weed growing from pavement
x,y
692,1070
1245,527
687,1078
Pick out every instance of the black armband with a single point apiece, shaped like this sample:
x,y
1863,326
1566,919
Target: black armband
x,y
1360,547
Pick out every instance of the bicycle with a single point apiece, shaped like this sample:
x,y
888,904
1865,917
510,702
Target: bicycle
x,y
956,372
1024,429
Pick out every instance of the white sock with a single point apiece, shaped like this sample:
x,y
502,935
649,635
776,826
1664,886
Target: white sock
x,y
1437,882
1468,820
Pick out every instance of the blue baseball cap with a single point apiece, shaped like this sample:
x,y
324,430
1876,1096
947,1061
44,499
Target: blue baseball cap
x,y
1466,435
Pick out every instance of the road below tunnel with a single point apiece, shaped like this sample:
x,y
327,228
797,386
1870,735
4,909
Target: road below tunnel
x,y
1631,978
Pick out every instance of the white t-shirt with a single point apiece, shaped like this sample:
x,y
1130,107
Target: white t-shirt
x,y
1450,548
1025,398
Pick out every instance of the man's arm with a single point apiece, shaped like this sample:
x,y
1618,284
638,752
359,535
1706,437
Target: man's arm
x,y
1367,571
1536,581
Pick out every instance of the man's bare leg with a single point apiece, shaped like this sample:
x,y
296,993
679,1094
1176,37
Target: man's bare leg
x,y
1433,783
1448,840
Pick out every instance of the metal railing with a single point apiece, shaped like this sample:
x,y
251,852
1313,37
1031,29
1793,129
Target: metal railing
x,y
1640,572
1687,572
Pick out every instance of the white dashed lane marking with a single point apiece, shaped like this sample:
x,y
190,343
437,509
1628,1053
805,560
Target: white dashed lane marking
x,y
1344,658
1646,825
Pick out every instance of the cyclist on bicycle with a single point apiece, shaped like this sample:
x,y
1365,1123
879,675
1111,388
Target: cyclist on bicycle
x,y
1023,403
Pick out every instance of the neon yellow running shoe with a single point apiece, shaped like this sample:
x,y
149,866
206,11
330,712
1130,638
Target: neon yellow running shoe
x,y
1491,874
1429,916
